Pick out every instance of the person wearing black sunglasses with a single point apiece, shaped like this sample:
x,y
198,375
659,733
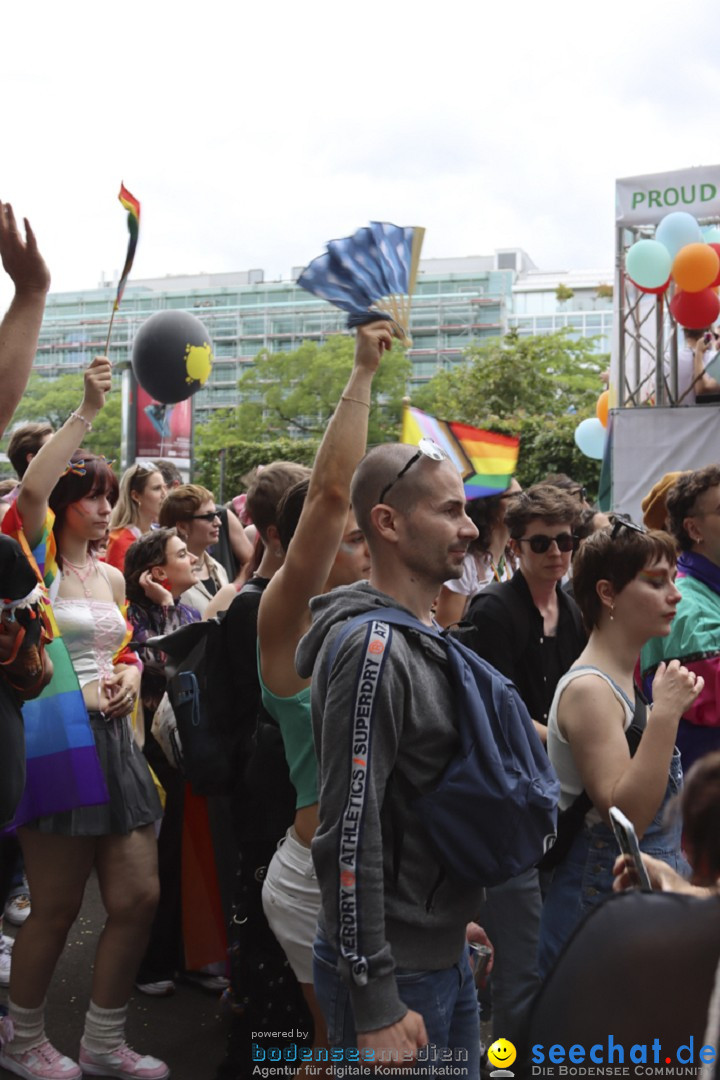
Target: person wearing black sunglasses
x,y
531,631
191,510
528,628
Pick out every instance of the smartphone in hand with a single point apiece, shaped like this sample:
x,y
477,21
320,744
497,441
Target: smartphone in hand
x,y
628,843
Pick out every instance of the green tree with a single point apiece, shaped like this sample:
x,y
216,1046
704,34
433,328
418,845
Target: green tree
x,y
512,377
54,399
294,393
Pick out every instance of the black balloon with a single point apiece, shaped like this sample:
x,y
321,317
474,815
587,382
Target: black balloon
x,y
172,356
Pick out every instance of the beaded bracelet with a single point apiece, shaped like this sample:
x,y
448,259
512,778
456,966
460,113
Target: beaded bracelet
x,y
358,401
78,416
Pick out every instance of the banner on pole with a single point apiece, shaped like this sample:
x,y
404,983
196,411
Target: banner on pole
x,y
645,200
164,431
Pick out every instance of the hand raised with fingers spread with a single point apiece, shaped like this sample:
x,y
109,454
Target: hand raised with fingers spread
x,y
21,258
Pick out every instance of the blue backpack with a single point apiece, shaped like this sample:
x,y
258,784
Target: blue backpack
x,y
493,813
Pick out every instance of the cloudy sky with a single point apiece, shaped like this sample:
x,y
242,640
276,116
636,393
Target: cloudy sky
x,y
254,132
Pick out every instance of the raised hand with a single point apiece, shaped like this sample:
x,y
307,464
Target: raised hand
x,y
21,258
371,342
98,382
154,591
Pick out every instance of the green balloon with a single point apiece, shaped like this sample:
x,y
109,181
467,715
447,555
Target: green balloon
x,y
648,264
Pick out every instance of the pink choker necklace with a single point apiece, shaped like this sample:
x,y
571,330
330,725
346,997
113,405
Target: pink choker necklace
x,y
82,573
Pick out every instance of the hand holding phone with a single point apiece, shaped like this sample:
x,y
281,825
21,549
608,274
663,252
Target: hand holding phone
x,y
628,843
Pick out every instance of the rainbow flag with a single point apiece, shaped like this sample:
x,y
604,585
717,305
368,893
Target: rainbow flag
x,y
485,460
63,769
132,206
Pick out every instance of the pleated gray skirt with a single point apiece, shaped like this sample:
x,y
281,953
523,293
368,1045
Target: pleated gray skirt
x,y
134,800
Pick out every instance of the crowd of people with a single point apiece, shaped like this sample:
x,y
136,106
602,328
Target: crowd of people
x,y
320,902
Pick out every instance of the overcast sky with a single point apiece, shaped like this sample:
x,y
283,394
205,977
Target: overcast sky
x,y
254,132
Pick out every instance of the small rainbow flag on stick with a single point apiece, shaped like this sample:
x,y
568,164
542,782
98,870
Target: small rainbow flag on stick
x,y
132,206
485,460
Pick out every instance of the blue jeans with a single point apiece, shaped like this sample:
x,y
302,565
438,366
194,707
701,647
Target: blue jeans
x,y
446,1000
584,878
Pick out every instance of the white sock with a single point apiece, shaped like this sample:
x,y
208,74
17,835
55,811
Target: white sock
x,y
29,1025
104,1029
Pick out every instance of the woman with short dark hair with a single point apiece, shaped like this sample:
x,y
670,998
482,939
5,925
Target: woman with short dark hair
x,y
624,580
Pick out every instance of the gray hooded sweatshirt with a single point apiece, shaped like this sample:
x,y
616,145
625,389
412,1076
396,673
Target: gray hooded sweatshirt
x,y
385,900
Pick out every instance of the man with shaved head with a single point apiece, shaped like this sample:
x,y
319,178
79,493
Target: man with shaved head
x,y
391,959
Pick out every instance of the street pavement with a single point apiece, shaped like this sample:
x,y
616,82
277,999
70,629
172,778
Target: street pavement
x,y
187,1030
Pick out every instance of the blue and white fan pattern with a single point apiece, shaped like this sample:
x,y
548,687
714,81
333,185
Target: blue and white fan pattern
x,y
369,274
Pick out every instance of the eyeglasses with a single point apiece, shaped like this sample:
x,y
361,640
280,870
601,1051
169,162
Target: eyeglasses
x,y
625,523
210,516
541,543
426,448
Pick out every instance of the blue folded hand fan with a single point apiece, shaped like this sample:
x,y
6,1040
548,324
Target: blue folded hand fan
x,y
370,274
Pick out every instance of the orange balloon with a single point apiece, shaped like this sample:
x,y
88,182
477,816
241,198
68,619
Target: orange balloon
x,y
601,409
695,267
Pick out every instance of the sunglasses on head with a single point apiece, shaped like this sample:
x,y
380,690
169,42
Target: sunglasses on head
x,y
541,543
621,523
426,448
209,516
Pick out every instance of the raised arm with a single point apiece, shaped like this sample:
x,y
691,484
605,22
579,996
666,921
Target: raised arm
x,y
241,547
284,613
20,327
50,462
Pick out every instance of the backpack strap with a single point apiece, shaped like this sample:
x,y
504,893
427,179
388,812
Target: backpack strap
x,y
395,780
383,615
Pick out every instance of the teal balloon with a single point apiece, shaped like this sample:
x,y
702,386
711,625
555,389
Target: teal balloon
x,y
648,263
590,438
678,229
711,234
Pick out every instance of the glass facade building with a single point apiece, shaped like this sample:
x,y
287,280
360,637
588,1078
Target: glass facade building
x,y
457,301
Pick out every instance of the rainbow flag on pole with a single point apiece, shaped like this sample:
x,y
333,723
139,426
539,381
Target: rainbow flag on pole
x,y
132,206
485,460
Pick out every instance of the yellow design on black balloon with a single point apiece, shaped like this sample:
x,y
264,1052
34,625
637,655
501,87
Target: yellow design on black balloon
x,y
198,362
502,1053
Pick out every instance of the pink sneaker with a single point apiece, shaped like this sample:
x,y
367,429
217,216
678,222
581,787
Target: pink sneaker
x,y
43,1062
124,1063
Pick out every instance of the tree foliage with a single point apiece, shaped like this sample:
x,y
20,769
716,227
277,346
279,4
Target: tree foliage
x,y
242,457
295,393
513,377
54,399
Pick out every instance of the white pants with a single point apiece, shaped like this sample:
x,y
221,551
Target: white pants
x,y
291,901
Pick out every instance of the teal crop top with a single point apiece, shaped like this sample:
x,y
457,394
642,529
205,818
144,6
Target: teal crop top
x,y
292,715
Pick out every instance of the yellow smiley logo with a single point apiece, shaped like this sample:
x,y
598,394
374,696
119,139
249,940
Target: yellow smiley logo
x,y
501,1054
